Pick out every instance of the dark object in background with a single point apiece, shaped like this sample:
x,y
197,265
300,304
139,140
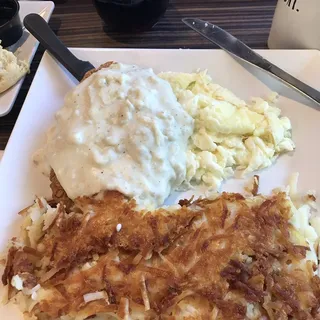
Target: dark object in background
x,y
10,24
131,15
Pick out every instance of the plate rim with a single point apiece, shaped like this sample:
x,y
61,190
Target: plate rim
x,y
18,85
15,166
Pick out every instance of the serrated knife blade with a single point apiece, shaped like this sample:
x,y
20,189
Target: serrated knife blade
x,y
234,46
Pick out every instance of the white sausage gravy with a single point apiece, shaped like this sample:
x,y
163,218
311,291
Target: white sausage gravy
x,y
120,129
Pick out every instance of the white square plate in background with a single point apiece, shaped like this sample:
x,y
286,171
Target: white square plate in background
x,y
20,181
25,48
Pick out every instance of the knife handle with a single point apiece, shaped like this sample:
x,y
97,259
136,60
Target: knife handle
x,y
39,28
294,83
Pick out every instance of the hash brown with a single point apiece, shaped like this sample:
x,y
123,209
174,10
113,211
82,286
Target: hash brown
x,y
225,258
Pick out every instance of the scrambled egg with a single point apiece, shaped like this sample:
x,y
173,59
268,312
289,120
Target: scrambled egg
x,y
229,134
305,220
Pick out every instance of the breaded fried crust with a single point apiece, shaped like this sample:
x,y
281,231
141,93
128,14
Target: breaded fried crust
x,y
104,65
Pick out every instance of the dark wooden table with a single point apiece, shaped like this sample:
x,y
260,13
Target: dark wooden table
x,y
78,25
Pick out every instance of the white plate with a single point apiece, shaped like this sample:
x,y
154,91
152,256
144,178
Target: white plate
x,y
25,48
20,181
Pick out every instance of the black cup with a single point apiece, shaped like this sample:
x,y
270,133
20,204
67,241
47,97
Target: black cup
x,y
10,23
130,15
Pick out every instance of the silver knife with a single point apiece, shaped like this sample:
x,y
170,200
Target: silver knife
x,y
234,46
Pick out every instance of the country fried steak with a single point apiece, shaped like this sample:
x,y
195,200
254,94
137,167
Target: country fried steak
x,y
228,258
